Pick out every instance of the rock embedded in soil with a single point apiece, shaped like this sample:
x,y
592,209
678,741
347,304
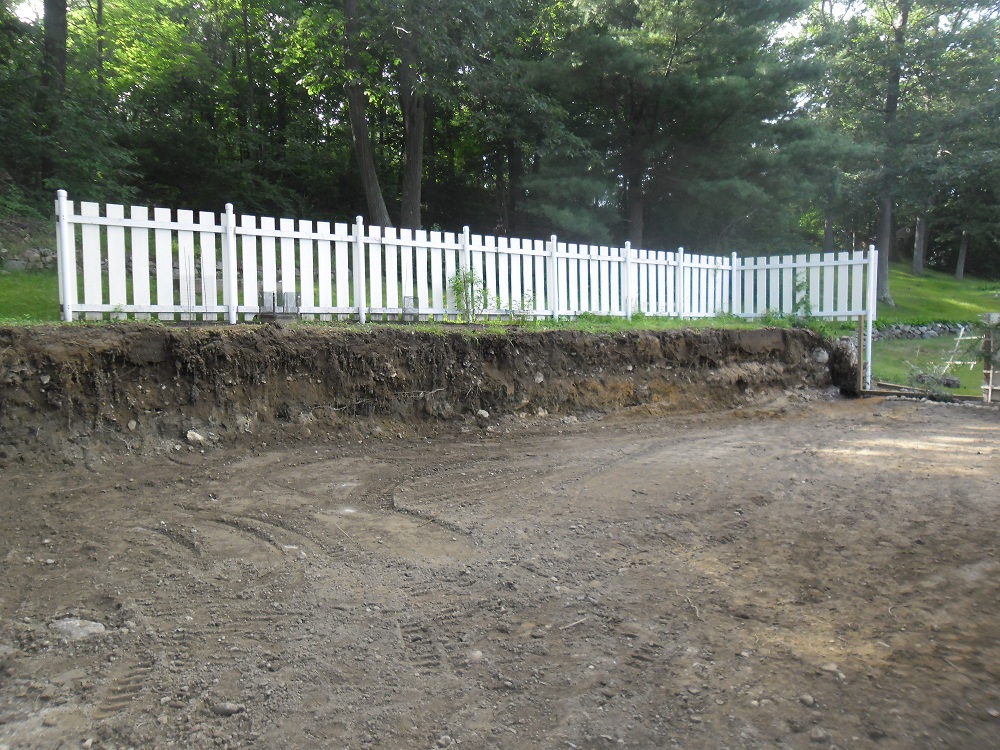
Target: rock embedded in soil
x,y
228,709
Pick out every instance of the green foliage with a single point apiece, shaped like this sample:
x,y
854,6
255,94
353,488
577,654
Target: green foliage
x,y
758,126
470,294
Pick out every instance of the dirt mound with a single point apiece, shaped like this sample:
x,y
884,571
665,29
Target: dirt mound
x,y
145,387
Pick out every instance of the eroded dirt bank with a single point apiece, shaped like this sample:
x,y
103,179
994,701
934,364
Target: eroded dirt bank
x,y
144,387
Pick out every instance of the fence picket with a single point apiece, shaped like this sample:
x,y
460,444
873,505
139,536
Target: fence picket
x,y
324,270
187,282
815,291
117,286
843,284
163,247
248,247
93,285
208,247
391,251
376,293
140,261
342,269
268,259
452,262
307,270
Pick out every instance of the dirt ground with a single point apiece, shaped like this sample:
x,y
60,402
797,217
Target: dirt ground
x,y
781,576
799,570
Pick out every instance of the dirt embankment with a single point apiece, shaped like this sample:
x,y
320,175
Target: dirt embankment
x,y
146,387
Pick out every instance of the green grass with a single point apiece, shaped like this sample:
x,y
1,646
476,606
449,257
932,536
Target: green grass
x,y
932,298
936,297
29,297
898,360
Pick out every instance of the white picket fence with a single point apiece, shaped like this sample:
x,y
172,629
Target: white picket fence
x,y
176,265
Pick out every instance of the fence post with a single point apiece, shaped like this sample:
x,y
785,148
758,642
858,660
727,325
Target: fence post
x,y
735,288
66,257
359,268
231,278
466,250
681,283
554,277
628,281
870,312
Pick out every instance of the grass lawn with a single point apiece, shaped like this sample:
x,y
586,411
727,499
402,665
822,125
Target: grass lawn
x,y
937,297
28,297
898,360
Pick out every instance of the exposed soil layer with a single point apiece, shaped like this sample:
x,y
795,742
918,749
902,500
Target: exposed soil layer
x,y
789,569
145,387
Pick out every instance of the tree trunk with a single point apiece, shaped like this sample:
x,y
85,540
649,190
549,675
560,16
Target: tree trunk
x,y
378,214
919,246
890,164
515,166
635,193
248,67
884,243
963,250
357,110
828,233
54,70
99,23
635,201
412,103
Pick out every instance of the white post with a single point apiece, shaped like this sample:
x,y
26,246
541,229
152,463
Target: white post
x,y
870,312
66,255
554,277
628,281
231,278
734,290
466,250
681,283
359,268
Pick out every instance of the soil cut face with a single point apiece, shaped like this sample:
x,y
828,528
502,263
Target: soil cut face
x,y
791,569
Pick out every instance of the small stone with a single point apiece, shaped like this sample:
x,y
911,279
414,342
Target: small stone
x,y
228,709
694,690
195,438
445,741
819,735
74,629
830,667
807,700
483,414
132,425
539,378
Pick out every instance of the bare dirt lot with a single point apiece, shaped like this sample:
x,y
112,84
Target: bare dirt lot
x,y
799,571
820,574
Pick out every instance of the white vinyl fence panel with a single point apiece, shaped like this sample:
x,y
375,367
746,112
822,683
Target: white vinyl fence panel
x,y
177,266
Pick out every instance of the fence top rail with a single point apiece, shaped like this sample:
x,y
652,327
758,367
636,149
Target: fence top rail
x,y
176,226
